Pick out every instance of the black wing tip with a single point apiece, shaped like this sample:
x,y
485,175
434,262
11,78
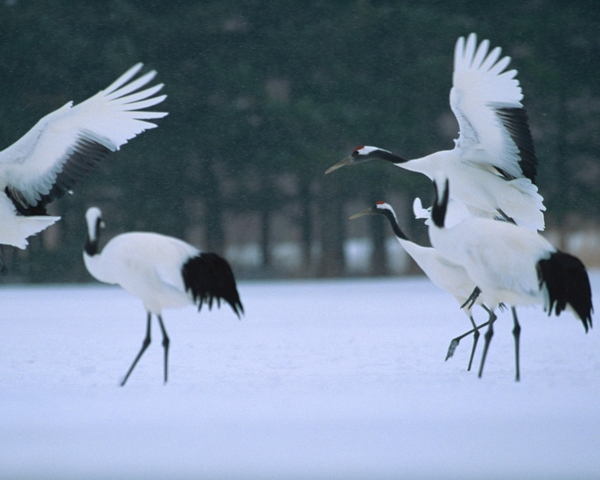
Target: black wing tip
x,y
210,279
83,158
516,122
23,207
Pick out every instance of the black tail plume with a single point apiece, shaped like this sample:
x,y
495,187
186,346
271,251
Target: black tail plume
x,y
567,282
209,278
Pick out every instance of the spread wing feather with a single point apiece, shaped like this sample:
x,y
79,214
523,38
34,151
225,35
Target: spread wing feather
x,y
65,145
486,101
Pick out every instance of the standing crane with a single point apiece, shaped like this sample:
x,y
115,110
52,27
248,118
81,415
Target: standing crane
x,y
444,274
162,271
510,265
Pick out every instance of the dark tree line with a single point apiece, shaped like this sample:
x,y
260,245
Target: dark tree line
x,y
264,96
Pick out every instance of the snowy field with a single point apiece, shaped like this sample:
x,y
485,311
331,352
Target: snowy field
x,y
331,379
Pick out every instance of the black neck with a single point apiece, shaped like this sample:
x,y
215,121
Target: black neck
x,y
91,246
438,211
387,156
395,227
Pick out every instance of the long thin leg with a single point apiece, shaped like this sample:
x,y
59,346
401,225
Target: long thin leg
x,y
475,331
488,339
455,341
3,268
517,334
165,344
475,340
145,344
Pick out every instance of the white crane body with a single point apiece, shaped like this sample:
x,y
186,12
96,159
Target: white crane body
x,y
162,271
493,165
511,265
153,263
443,273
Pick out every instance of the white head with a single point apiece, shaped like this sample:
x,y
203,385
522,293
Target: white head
x,y
386,210
363,154
93,218
378,209
366,150
381,205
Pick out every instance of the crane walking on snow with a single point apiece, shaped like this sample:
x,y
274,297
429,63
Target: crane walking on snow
x,y
510,265
164,272
444,274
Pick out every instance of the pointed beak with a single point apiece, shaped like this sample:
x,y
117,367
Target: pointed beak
x,y
346,161
368,211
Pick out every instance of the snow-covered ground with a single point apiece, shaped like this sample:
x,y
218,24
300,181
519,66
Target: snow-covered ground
x,y
331,379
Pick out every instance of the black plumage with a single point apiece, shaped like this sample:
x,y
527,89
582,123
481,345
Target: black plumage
x,y
84,157
568,283
209,277
516,122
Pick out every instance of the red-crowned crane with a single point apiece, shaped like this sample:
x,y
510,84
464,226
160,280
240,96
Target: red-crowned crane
x,y
444,274
64,146
511,265
493,165
162,271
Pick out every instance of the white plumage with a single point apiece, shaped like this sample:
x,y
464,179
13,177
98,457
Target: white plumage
x,y
15,228
456,212
64,146
444,274
493,164
152,263
511,265
162,271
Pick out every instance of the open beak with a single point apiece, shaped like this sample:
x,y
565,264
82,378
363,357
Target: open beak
x,y
346,161
368,211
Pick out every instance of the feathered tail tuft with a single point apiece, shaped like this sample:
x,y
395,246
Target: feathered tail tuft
x,y
568,285
209,277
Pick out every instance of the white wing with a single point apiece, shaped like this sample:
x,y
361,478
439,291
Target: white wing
x,y
420,212
14,229
456,212
486,101
67,143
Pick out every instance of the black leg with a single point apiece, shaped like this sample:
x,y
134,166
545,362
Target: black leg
x,y
475,340
488,338
453,344
471,300
143,349
517,334
455,341
165,344
3,268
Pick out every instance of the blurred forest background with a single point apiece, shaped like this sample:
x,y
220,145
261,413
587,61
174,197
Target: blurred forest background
x,y
263,96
